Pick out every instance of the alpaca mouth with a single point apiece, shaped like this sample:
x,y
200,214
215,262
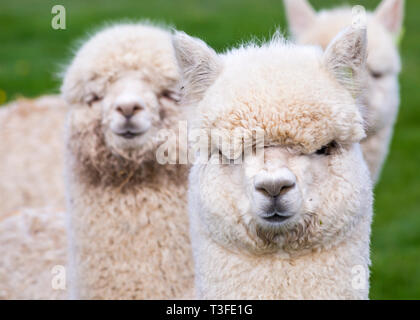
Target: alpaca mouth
x,y
130,134
276,218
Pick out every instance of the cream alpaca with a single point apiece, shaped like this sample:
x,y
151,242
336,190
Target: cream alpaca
x,y
292,222
128,219
31,154
382,93
33,252
32,237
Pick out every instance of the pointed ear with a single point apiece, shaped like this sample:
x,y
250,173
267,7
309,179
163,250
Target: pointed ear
x,y
199,65
300,15
345,58
391,14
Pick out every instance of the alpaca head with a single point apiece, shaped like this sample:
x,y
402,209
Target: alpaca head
x,y
122,85
306,185
384,31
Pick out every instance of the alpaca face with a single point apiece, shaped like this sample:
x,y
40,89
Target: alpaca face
x,y
282,198
130,112
128,88
309,186
383,63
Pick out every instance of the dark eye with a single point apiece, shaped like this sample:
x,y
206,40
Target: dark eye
x,y
327,149
169,94
376,74
92,99
224,160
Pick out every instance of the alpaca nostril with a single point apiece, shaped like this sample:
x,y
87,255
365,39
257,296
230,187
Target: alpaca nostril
x,y
120,110
286,188
137,108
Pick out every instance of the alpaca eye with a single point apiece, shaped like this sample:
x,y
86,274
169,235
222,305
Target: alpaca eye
x,y
169,94
92,99
223,157
376,74
327,149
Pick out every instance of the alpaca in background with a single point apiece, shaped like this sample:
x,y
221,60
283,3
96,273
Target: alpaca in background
x,y
128,222
32,154
383,62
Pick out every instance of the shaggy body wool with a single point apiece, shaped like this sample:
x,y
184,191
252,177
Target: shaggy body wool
x,y
32,154
33,254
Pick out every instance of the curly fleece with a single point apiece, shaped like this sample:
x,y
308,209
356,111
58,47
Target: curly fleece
x,y
294,96
32,154
33,242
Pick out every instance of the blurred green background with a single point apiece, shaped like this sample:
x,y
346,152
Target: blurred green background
x,y
31,53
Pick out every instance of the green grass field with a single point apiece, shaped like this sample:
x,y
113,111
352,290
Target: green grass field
x,y
31,53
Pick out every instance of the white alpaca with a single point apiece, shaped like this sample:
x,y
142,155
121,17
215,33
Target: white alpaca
x,y
33,250
128,223
31,154
382,92
292,222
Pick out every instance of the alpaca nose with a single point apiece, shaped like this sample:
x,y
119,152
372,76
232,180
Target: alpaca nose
x,y
274,183
129,109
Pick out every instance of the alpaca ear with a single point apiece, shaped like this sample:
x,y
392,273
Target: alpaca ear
x,y
199,64
391,14
345,58
300,15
